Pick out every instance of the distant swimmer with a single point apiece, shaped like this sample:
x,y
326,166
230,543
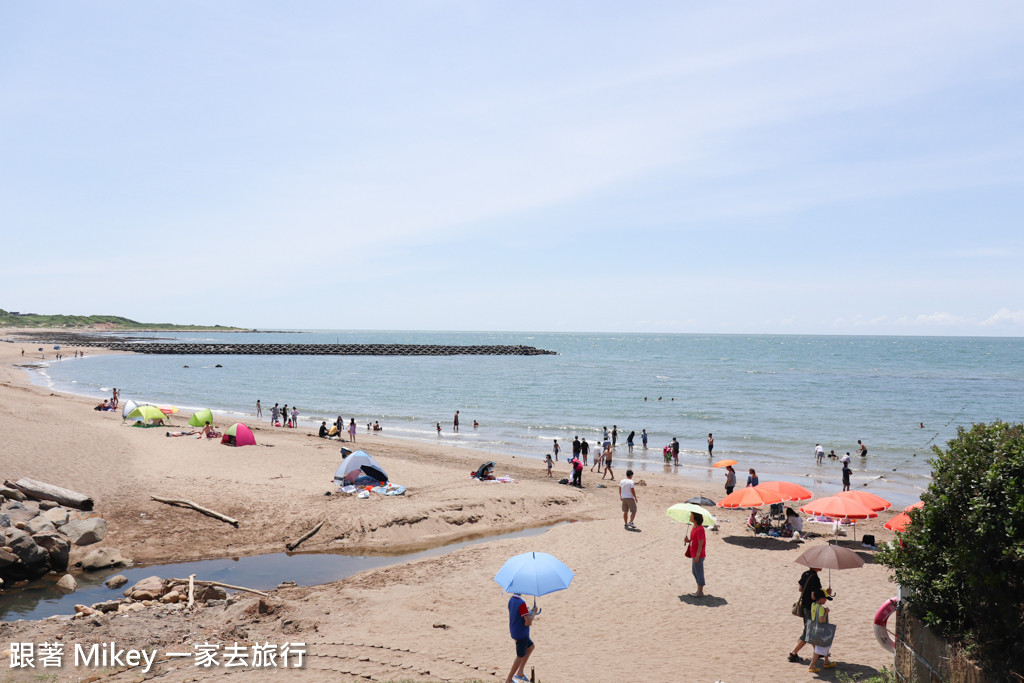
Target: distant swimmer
x,y
921,426
863,449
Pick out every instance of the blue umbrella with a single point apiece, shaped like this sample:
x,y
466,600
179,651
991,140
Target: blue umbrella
x,y
534,574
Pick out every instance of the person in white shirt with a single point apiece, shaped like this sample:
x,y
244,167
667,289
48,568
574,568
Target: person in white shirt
x,y
627,494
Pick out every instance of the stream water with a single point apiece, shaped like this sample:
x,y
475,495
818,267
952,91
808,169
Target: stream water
x,y
41,598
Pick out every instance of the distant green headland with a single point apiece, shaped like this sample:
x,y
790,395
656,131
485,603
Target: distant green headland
x,y
104,322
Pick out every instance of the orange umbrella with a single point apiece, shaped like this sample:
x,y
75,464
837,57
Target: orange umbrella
x,y
750,497
898,523
723,463
838,508
787,490
919,504
870,500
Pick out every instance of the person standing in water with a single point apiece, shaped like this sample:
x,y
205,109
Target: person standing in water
x,y
259,409
455,422
862,449
711,444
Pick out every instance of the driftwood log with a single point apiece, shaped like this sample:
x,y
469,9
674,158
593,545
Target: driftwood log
x,y
43,491
309,534
198,508
192,581
191,589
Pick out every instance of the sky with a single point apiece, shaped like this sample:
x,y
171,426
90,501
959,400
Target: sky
x,y
744,167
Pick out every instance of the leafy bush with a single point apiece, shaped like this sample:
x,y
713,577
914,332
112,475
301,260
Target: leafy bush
x,y
961,561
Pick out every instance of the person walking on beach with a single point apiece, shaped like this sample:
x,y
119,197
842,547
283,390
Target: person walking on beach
x,y
629,442
259,409
575,446
352,429
808,584
608,464
628,499
584,450
846,476
455,422
273,415
550,463
711,444
284,415
819,613
862,450
643,438
615,434
675,450
598,460
295,416
557,449
520,618
696,551
819,453
730,479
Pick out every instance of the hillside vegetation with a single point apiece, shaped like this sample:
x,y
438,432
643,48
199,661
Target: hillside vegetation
x,y
109,322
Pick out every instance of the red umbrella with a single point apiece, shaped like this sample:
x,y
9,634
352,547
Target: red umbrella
x,y
915,506
750,497
870,500
898,523
838,508
787,490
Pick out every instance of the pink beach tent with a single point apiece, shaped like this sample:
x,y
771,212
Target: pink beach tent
x,y
238,435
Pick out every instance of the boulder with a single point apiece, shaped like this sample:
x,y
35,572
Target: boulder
x,y
22,545
67,584
108,606
153,585
116,581
7,558
21,514
101,558
58,516
208,593
11,494
57,547
39,525
5,520
85,531
48,504
84,610
172,597
142,596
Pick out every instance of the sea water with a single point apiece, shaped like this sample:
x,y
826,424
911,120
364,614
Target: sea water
x,y
768,399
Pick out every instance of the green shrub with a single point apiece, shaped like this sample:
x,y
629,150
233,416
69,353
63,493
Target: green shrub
x,y
961,561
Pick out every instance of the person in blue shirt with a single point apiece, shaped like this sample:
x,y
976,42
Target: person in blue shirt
x,y
519,620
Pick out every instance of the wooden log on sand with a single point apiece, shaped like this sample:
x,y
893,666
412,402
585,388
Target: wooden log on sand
x,y
307,535
43,491
198,508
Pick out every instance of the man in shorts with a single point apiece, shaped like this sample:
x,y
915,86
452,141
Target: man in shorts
x,y
627,495
519,620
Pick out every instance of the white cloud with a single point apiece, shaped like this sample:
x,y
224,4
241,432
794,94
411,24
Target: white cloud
x,y
1005,315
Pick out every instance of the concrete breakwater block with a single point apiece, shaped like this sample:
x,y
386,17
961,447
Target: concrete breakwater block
x,y
322,349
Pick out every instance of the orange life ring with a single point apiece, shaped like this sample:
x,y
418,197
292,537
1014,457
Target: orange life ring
x,y
881,618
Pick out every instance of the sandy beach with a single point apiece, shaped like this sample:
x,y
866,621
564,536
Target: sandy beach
x,y
627,616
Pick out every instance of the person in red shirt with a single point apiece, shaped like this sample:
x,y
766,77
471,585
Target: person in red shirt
x,y
697,542
519,619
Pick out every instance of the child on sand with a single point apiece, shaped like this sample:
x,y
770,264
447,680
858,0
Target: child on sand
x,y
819,613
549,462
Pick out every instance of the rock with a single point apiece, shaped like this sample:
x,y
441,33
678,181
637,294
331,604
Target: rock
x,y
11,494
142,595
108,606
153,585
101,558
39,525
21,514
216,603
7,558
5,520
48,504
25,548
208,593
116,581
85,531
133,607
84,610
172,597
57,547
58,516
67,584
98,620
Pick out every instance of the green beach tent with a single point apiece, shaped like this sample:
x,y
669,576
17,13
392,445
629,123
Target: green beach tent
x,y
201,417
146,413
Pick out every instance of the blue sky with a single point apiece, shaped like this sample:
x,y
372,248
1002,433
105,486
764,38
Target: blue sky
x,y
570,166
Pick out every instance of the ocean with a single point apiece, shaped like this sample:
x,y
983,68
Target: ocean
x,y
768,399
